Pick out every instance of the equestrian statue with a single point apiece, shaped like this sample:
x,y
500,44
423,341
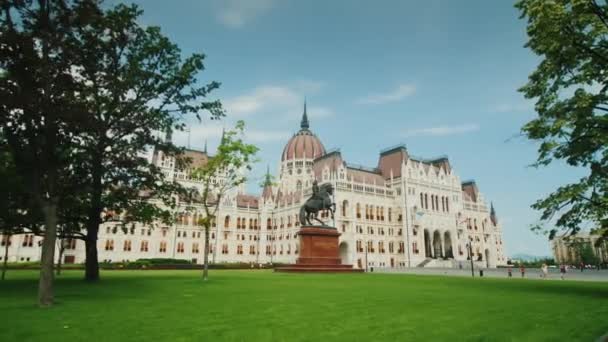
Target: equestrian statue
x,y
321,199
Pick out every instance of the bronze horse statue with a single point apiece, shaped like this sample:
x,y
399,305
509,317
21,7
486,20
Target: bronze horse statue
x,y
320,201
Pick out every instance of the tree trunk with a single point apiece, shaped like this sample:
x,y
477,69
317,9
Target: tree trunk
x,y
45,285
94,220
206,256
5,263
91,272
61,250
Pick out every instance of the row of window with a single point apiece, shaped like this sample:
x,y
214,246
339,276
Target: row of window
x,y
144,246
445,203
370,247
379,230
28,241
371,212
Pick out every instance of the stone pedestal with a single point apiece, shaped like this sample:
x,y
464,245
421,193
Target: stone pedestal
x,y
319,252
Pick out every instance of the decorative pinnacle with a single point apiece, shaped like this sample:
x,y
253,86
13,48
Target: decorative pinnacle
x,y
168,135
304,124
268,181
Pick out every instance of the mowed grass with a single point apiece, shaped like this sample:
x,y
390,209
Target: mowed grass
x,y
266,306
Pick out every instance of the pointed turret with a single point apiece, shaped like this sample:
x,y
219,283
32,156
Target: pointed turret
x,y
205,148
168,135
267,191
493,217
223,136
304,123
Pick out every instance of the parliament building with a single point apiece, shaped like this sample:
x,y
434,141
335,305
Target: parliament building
x,y
402,212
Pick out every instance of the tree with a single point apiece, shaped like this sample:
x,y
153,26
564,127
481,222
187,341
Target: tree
x,y
15,216
570,88
222,173
583,251
135,83
39,108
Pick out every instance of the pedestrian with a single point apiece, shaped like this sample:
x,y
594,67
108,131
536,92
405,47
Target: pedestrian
x,y
544,270
510,271
522,269
562,271
582,266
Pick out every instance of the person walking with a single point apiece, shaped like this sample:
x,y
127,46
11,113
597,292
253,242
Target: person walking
x,y
582,266
544,270
522,269
510,271
562,271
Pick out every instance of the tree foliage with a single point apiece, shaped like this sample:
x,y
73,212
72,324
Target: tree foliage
x,y
40,109
222,173
570,89
134,83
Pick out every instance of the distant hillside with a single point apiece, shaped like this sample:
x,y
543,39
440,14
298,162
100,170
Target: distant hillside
x,y
528,257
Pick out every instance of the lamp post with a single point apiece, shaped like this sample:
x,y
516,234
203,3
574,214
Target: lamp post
x,y
366,245
470,249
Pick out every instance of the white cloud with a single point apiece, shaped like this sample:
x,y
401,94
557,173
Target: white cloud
x,y
442,130
513,107
261,136
277,100
401,92
260,98
212,133
237,13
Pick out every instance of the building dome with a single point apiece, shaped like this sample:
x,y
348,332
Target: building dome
x,y
303,144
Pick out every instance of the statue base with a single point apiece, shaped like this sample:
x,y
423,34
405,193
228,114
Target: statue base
x,y
319,252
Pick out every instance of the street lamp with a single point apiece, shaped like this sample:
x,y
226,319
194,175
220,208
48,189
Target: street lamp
x,y
366,245
470,250
469,246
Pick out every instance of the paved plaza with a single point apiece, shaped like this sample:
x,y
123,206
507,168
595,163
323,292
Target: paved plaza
x,y
531,273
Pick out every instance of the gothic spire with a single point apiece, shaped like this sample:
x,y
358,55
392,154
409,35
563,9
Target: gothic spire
x,y
304,124
268,180
493,217
223,135
168,135
205,148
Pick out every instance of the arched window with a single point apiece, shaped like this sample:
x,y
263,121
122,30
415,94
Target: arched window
x,y
299,185
390,215
143,246
358,210
109,245
180,247
127,246
447,204
269,223
163,247
421,200
432,202
436,202
238,222
227,221
366,212
344,206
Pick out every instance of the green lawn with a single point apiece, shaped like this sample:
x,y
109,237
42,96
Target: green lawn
x,y
264,306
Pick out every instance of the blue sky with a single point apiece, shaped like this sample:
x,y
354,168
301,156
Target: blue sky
x,y
439,76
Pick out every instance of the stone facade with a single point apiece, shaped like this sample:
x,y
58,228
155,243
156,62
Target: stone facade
x,y
405,212
565,252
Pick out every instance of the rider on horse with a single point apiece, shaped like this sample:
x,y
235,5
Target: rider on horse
x,y
320,200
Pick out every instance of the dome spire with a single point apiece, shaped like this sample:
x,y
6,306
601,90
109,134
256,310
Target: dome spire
x,y
304,123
